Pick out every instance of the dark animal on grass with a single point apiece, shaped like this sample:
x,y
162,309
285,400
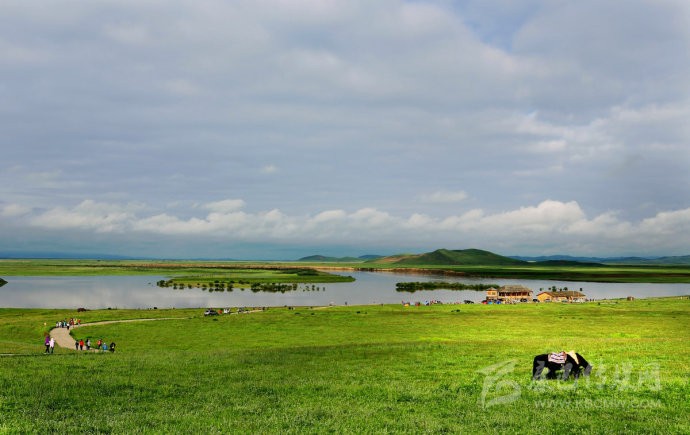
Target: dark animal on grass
x,y
572,363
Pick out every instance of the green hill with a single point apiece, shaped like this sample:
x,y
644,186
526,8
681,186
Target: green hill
x,y
447,257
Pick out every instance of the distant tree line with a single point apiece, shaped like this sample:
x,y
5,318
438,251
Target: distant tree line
x,y
439,285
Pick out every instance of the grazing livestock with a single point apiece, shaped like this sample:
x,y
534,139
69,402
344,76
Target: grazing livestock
x,y
570,362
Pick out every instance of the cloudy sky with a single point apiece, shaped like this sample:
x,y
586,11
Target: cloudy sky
x,y
273,129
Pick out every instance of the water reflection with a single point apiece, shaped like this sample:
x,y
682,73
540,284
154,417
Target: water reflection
x,y
369,288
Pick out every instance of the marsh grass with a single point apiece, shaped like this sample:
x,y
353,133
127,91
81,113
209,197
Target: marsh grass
x,y
354,369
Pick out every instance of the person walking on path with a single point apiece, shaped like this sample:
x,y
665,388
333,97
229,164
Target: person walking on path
x,y
88,344
52,345
47,343
81,344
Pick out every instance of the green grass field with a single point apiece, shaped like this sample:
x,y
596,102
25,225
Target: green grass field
x,y
442,368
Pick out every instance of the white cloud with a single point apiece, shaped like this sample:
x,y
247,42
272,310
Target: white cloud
x,y
329,216
419,221
554,226
88,215
14,210
370,218
549,217
669,224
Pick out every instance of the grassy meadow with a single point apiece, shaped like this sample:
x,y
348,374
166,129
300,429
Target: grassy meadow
x,y
440,368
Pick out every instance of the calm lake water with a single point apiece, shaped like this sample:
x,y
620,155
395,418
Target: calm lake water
x,y
369,288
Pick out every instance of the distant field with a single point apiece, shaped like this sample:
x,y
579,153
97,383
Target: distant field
x,y
49,267
188,271
441,368
180,272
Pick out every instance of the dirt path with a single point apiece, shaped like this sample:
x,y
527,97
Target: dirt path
x,y
63,339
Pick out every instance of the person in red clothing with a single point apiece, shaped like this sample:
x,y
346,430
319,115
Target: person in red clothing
x,y
81,344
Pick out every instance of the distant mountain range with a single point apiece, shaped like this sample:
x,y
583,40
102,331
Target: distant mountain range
x,y
672,260
440,257
478,257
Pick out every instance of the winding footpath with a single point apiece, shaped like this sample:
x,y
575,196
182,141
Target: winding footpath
x,y
63,339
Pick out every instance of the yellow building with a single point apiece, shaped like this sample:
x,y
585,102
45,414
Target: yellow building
x,y
509,293
492,294
562,296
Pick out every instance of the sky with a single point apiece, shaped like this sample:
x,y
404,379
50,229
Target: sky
x,y
275,129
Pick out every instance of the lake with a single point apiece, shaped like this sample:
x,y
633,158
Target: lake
x,y
94,292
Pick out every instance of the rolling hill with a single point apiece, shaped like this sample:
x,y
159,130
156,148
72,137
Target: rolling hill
x,y
447,257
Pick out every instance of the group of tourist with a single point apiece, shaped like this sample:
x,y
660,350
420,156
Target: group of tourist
x,y
101,345
80,344
68,323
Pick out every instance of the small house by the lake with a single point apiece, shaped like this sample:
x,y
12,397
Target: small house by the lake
x,y
562,296
509,293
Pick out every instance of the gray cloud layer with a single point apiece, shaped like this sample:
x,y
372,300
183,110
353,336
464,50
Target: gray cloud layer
x,y
525,127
